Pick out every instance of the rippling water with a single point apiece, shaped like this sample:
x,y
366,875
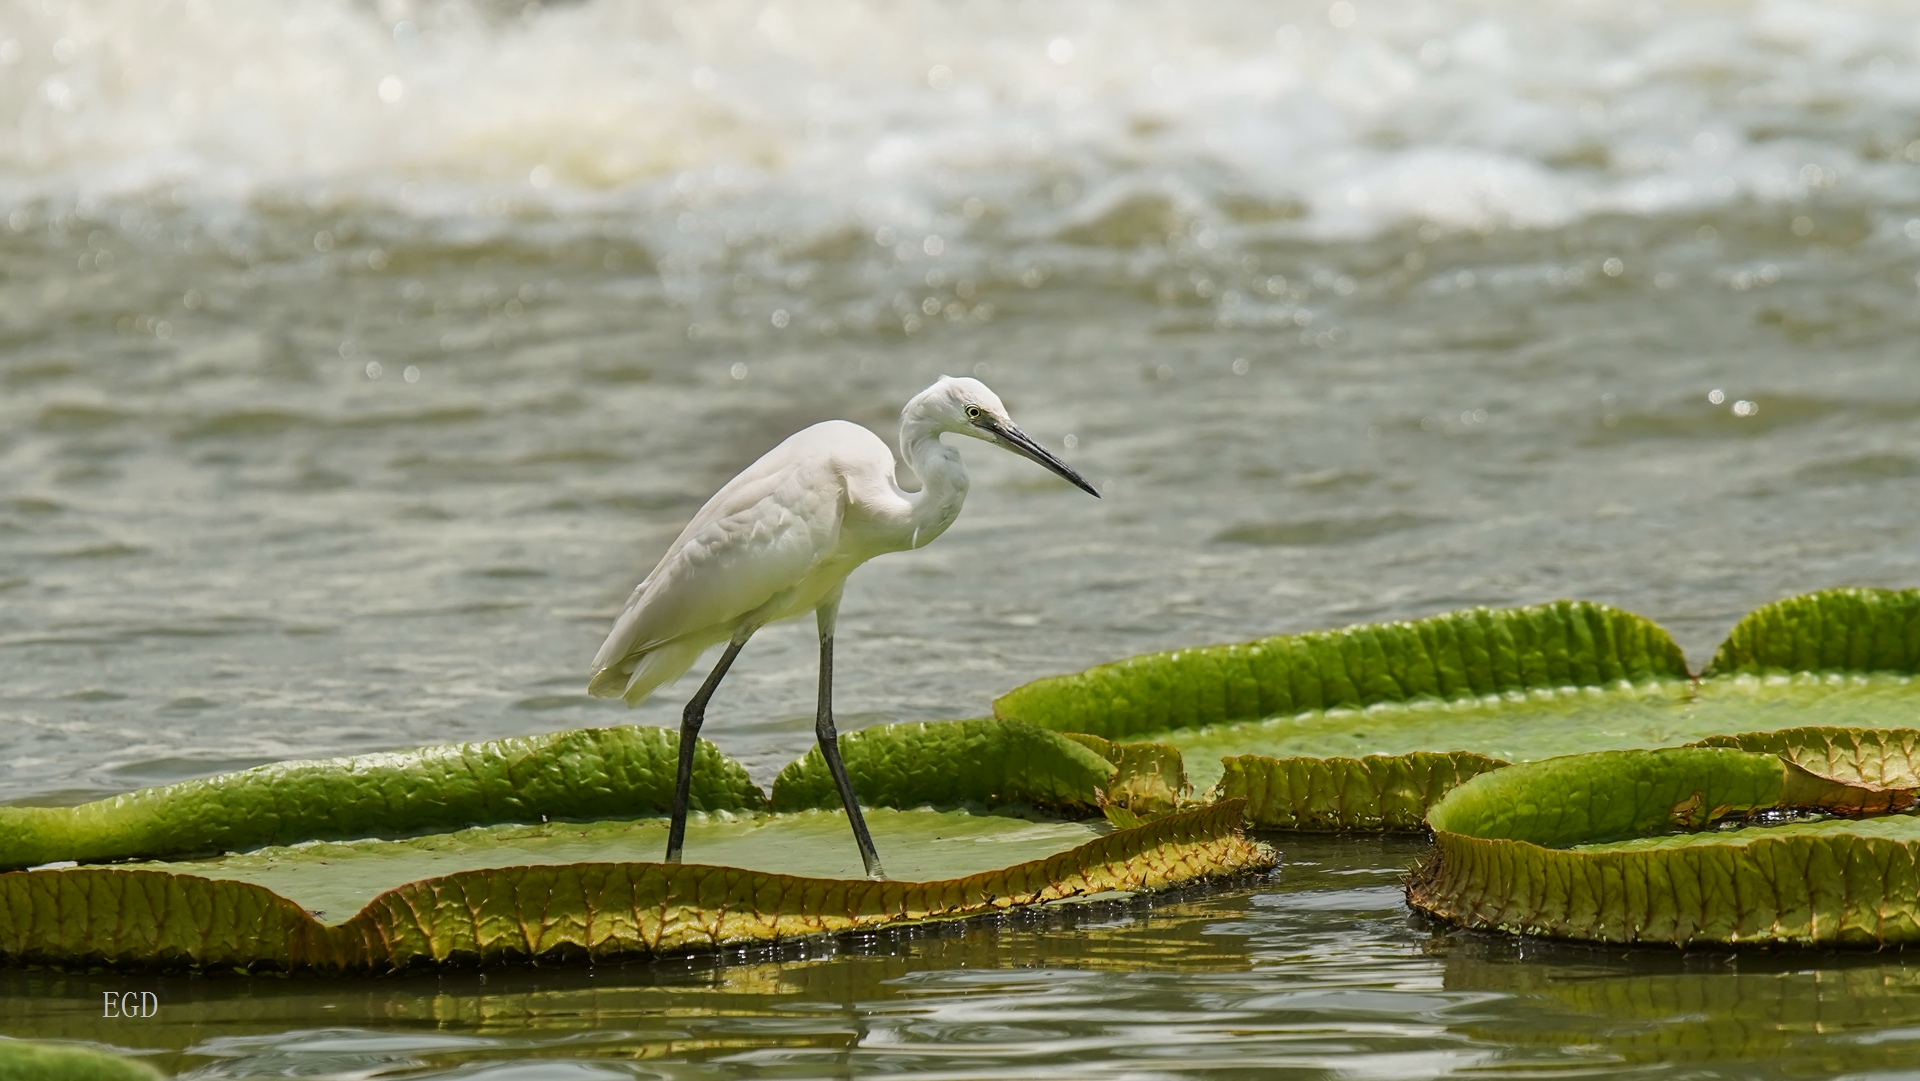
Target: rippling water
x,y
356,359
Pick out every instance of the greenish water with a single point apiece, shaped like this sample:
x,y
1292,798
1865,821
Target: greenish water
x,y
1542,724
357,358
335,880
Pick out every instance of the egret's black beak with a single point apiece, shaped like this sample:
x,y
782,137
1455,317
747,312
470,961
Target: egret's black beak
x,y
1010,436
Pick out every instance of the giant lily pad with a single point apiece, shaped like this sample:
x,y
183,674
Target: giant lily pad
x,y
501,906
1612,846
363,864
1365,728
334,880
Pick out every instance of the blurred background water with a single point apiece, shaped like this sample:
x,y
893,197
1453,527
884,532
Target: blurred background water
x,y
357,358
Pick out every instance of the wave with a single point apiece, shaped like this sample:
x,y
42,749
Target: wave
x,y
929,127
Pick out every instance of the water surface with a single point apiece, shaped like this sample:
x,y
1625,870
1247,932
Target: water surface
x,y
357,358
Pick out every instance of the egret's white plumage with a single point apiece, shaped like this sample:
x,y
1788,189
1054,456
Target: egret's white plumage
x,y
779,540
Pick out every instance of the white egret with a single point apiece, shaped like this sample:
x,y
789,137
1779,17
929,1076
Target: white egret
x,y
779,540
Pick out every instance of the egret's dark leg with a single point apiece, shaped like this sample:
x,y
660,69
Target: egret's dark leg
x,y
695,713
830,750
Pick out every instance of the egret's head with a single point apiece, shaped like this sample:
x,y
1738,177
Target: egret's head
x,y
966,407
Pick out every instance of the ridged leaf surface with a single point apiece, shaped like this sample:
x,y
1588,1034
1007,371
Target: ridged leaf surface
x,y
984,762
584,773
1835,630
1465,655
1378,792
1883,758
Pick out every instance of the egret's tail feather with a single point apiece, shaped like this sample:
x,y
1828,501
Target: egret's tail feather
x,y
634,678
609,682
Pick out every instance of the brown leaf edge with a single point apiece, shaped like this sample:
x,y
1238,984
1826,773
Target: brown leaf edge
x,y
1150,779
1879,760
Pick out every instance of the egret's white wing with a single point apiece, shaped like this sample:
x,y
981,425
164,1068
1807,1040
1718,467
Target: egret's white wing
x,y
761,534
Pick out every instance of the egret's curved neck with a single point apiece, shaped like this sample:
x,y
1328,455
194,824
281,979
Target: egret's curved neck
x,y
943,480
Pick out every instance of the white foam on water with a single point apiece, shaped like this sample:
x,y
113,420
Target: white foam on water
x,y
761,119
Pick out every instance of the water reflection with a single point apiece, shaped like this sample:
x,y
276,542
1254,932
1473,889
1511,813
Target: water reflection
x,y
1790,1013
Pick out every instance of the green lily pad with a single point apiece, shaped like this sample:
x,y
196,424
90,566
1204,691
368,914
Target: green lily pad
x,y
24,1061
989,763
581,774
334,880
337,865
1609,847
232,913
1836,630
1364,728
1470,655
1547,723
949,763
1385,793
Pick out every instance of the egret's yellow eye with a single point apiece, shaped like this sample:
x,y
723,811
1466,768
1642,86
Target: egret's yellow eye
x,y
973,412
